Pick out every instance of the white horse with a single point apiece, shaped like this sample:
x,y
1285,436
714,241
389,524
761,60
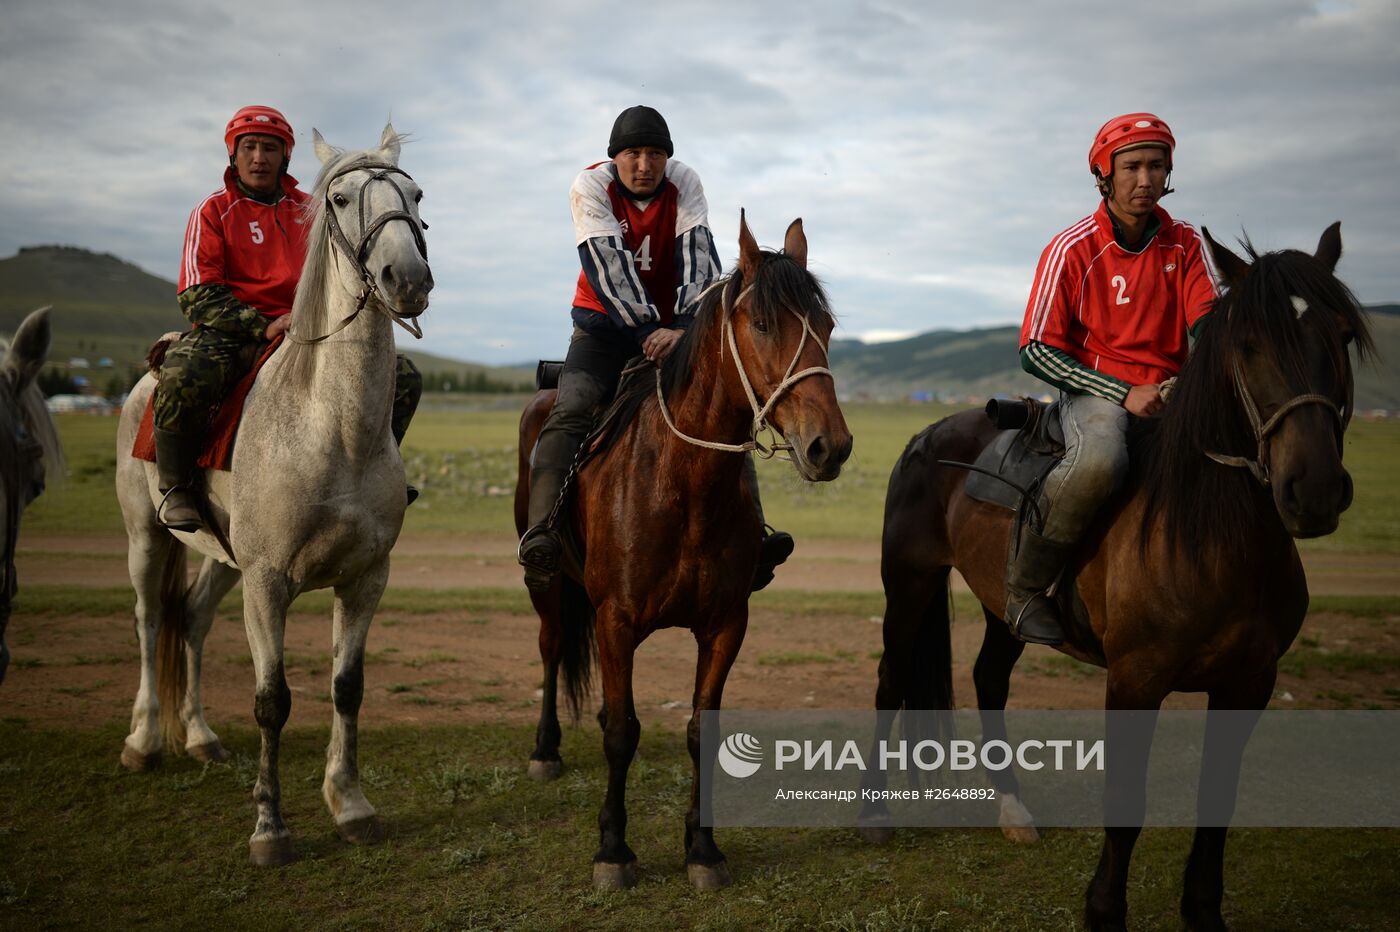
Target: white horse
x,y
29,447
314,497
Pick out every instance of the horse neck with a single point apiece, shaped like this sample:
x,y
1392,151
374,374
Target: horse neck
x,y
350,392
710,405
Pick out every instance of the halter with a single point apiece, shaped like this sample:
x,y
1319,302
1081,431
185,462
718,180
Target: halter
x,y
356,253
1259,467
760,413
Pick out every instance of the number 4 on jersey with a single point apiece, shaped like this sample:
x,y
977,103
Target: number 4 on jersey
x,y
644,255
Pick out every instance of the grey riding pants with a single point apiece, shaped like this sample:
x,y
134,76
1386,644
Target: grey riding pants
x,y
1094,467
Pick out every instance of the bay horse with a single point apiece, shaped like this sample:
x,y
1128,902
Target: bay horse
x,y
29,448
1190,576
314,497
662,530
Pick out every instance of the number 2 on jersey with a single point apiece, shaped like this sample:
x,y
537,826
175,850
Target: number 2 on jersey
x,y
1121,283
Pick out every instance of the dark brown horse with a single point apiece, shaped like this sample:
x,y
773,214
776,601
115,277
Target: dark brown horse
x,y
663,533
1190,577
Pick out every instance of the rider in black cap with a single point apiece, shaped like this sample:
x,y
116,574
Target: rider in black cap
x,y
643,235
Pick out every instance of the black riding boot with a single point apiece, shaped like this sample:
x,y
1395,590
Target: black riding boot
x,y
539,546
775,546
1030,613
398,442
176,454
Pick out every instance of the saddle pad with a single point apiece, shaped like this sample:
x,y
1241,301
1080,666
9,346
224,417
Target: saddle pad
x,y
217,452
1023,456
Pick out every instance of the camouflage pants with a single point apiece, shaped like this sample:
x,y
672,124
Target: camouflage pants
x,y
202,368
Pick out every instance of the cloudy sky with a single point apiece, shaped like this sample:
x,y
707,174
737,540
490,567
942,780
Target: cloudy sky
x,y
932,149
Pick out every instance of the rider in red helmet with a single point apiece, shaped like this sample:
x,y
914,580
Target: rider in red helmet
x,y
1114,298
244,249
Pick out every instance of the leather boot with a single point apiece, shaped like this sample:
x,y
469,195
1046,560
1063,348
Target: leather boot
x,y
775,546
1030,613
398,442
175,462
539,546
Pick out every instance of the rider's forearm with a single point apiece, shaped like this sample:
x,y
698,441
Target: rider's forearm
x,y
1068,374
610,268
697,266
215,307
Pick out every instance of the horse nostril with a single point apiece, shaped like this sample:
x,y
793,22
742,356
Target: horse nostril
x,y
817,451
387,275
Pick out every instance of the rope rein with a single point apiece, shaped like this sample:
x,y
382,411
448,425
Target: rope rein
x,y
760,412
1259,466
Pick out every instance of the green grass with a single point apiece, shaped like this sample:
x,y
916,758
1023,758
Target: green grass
x,y
474,845
463,458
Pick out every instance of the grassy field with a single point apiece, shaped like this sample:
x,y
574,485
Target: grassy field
x,y
474,845
462,455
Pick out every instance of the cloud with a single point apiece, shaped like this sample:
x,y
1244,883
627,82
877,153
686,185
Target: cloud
x,y
932,149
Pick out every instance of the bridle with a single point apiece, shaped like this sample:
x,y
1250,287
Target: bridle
x,y
1259,467
760,412
356,253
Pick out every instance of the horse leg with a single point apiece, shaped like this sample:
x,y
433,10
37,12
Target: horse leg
x,y
265,602
545,762
705,863
1221,756
992,677
1129,742
213,583
915,669
615,865
355,818
148,554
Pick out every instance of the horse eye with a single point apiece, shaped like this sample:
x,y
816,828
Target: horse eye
x,y
418,198
339,200
760,326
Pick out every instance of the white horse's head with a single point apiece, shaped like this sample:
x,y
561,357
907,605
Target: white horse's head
x,y
370,207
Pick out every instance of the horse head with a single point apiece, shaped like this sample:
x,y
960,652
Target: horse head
x,y
362,196
23,471
1292,325
780,326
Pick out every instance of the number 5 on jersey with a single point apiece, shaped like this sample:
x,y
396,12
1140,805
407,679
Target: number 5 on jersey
x,y
257,234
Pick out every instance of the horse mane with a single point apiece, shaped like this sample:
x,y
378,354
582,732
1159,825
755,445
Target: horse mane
x,y
780,284
1202,504
311,306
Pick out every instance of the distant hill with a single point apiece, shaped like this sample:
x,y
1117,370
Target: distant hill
x,y
975,364
105,307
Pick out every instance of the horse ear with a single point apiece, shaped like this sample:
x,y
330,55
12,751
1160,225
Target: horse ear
x,y
389,143
795,242
1232,268
1329,247
324,150
749,256
28,349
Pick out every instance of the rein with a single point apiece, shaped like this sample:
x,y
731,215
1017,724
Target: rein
x,y
760,413
1259,467
356,253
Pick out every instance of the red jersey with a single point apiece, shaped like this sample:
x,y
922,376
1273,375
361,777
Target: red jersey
x,y
1123,313
648,228
256,249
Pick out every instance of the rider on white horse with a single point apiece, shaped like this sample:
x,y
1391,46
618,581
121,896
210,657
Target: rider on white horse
x,y
244,251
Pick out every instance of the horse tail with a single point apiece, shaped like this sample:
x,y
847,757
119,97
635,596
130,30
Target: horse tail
x,y
580,647
170,645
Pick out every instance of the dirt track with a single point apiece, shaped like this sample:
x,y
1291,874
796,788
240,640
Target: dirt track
x,y
464,666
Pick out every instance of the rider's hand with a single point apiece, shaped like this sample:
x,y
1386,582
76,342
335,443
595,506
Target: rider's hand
x,y
1144,400
278,325
659,345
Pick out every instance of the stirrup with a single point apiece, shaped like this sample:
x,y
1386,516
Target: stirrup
x,y
779,545
1042,629
538,553
196,525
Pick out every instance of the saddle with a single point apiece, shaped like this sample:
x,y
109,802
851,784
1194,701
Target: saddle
x,y
217,450
1011,471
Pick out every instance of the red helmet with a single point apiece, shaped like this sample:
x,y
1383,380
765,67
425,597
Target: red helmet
x,y
264,121
1129,131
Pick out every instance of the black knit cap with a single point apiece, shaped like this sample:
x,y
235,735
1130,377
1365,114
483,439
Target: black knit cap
x,y
639,126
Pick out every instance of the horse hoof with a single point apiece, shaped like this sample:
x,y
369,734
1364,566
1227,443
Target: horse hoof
x,y
274,851
1020,834
137,762
211,753
709,876
614,876
366,830
542,771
